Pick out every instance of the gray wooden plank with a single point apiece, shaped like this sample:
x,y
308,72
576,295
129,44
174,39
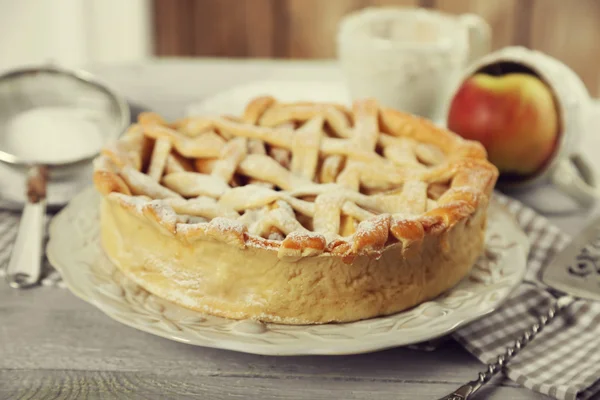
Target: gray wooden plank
x,y
31,384
53,345
48,328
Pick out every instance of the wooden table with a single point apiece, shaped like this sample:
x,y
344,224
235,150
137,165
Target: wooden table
x,y
55,346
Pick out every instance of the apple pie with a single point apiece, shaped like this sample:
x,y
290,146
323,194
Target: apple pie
x,y
294,213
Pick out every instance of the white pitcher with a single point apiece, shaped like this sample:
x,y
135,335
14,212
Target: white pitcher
x,y
409,58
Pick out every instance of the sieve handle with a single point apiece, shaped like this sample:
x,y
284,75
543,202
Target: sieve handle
x,y
25,264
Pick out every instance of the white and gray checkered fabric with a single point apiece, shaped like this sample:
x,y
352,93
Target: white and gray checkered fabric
x,y
562,362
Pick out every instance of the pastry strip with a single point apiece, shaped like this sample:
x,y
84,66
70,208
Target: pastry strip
x,y
306,144
158,161
192,184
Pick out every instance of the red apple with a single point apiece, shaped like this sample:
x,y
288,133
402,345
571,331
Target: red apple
x,y
514,116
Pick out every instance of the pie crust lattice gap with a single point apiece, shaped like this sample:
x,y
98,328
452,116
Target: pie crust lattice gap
x,y
303,179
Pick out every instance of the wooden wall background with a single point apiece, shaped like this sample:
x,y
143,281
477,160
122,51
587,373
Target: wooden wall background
x,y
566,29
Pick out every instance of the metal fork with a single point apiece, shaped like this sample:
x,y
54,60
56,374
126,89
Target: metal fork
x,y
466,391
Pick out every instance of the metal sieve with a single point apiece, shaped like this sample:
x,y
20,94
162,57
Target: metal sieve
x,y
29,89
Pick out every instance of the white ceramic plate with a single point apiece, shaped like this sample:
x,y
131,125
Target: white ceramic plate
x,y
74,249
233,101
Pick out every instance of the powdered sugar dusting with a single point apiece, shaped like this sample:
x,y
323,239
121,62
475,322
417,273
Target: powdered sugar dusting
x,y
226,224
143,184
137,202
306,235
164,212
196,184
367,225
260,193
189,226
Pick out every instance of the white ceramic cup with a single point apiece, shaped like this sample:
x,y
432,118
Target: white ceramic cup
x,y
568,170
409,58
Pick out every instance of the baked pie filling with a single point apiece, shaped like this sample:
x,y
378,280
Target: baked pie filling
x,y
294,213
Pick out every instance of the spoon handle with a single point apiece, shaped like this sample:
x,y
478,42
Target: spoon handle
x,y
466,391
24,267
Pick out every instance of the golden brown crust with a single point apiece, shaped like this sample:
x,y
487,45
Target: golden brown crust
x,y
330,196
108,182
467,168
237,281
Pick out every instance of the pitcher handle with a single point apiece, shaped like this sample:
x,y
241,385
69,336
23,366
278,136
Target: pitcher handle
x,y
575,176
480,36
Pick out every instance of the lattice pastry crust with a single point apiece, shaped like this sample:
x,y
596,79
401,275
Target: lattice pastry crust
x,y
294,213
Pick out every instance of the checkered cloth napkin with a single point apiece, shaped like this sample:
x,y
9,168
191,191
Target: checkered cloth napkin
x,y
562,362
